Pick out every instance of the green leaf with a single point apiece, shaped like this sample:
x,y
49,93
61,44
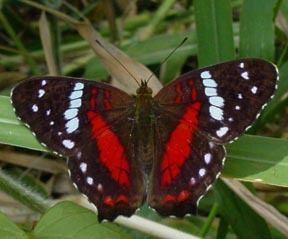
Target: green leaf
x,y
214,30
279,102
12,131
256,158
66,220
244,221
172,68
256,29
9,230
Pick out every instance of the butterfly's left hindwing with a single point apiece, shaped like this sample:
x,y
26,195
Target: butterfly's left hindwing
x,y
88,122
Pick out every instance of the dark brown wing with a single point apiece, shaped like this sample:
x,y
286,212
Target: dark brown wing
x,y
231,94
186,163
92,124
195,115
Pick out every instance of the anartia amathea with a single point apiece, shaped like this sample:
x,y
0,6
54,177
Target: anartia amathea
x,y
166,149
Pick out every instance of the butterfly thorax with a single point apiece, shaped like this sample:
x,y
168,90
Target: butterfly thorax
x,y
144,122
144,105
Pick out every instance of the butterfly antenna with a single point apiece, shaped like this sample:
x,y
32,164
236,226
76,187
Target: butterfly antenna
x,y
167,57
124,67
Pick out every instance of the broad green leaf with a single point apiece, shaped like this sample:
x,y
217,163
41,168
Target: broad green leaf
x,y
244,221
9,230
214,31
258,159
67,220
256,29
19,135
12,131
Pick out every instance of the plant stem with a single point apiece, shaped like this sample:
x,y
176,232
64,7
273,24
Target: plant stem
x,y
209,220
18,43
23,193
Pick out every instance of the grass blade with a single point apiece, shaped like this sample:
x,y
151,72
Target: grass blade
x,y
214,30
256,29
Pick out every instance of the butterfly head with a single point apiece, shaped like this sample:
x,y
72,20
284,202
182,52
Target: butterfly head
x,y
144,89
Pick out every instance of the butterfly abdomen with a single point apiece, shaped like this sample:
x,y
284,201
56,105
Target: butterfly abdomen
x,y
144,123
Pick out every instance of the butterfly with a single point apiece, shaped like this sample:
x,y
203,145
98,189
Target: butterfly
x,y
167,150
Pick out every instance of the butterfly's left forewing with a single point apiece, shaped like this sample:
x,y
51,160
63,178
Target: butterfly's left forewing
x,y
89,123
195,115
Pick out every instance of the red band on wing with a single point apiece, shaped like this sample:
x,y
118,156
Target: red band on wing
x,y
178,148
109,201
182,196
111,151
107,103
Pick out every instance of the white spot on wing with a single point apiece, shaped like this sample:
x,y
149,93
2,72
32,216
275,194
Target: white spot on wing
x,y
70,113
245,75
202,172
75,103
35,108
209,83
205,74
211,145
100,187
83,167
237,107
240,96
254,89
51,122
43,82
216,113
217,101
48,112
192,180
89,180
222,131
79,86
72,125
41,92
241,65
76,94
68,143
207,158
210,91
